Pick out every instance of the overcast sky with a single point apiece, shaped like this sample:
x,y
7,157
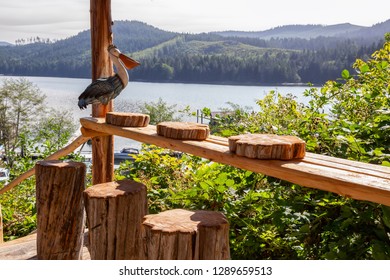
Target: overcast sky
x,y
58,19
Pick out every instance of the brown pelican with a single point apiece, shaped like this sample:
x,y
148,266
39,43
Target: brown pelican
x,y
104,89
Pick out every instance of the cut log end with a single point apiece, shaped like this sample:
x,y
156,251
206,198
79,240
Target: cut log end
x,y
127,119
183,234
268,146
113,189
183,130
115,211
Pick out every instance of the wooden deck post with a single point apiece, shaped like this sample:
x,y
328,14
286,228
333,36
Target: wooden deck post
x,y
60,209
115,211
186,235
101,38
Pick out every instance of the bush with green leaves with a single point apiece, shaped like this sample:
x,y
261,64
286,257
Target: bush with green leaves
x,y
30,132
274,219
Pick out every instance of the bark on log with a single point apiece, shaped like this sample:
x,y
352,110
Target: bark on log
x,y
60,209
186,235
183,130
101,38
115,212
127,119
267,146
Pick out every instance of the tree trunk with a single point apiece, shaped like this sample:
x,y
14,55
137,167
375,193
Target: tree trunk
x,y
60,209
101,38
186,235
115,212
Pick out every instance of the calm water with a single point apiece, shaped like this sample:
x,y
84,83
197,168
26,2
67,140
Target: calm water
x,y
63,93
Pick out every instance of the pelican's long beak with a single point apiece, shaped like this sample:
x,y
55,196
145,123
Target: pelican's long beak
x,y
128,62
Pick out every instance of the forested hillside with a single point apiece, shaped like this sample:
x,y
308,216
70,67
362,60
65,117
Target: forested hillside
x,y
203,58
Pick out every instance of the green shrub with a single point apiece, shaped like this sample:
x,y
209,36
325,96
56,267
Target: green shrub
x,y
273,219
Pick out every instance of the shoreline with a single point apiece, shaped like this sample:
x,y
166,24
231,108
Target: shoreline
x,y
226,83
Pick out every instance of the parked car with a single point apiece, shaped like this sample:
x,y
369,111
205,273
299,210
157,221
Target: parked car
x,y
4,175
125,154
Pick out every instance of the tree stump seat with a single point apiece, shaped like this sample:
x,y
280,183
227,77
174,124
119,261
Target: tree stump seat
x,y
186,235
60,209
114,217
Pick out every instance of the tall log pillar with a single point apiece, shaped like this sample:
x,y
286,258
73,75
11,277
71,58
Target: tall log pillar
x,y
101,38
60,209
186,235
115,211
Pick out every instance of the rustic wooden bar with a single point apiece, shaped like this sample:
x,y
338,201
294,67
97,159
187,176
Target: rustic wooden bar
x,y
348,178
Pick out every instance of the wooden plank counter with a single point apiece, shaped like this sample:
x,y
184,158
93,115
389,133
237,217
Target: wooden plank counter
x,y
348,178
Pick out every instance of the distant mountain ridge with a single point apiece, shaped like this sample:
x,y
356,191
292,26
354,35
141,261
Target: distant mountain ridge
x,y
310,31
307,31
206,57
3,43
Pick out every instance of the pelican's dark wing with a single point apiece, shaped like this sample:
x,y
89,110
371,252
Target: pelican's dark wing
x,y
101,90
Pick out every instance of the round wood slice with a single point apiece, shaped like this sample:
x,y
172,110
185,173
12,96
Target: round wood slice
x,y
267,146
183,130
127,119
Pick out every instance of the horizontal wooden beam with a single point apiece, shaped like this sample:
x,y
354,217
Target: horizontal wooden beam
x,y
348,178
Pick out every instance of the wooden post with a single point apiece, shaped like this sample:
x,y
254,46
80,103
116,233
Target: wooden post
x,y
115,211
60,209
101,38
186,235
1,227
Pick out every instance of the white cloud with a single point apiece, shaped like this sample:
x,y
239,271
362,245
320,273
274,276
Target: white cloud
x,y
59,19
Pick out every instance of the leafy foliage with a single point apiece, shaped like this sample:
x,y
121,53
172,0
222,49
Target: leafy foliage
x,y
159,111
30,132
20,101
273,219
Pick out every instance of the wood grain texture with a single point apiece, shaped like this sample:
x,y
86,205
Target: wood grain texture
x,y
127,119
115,211
183,130
267,146
101,38
60,209
186,235
348,178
